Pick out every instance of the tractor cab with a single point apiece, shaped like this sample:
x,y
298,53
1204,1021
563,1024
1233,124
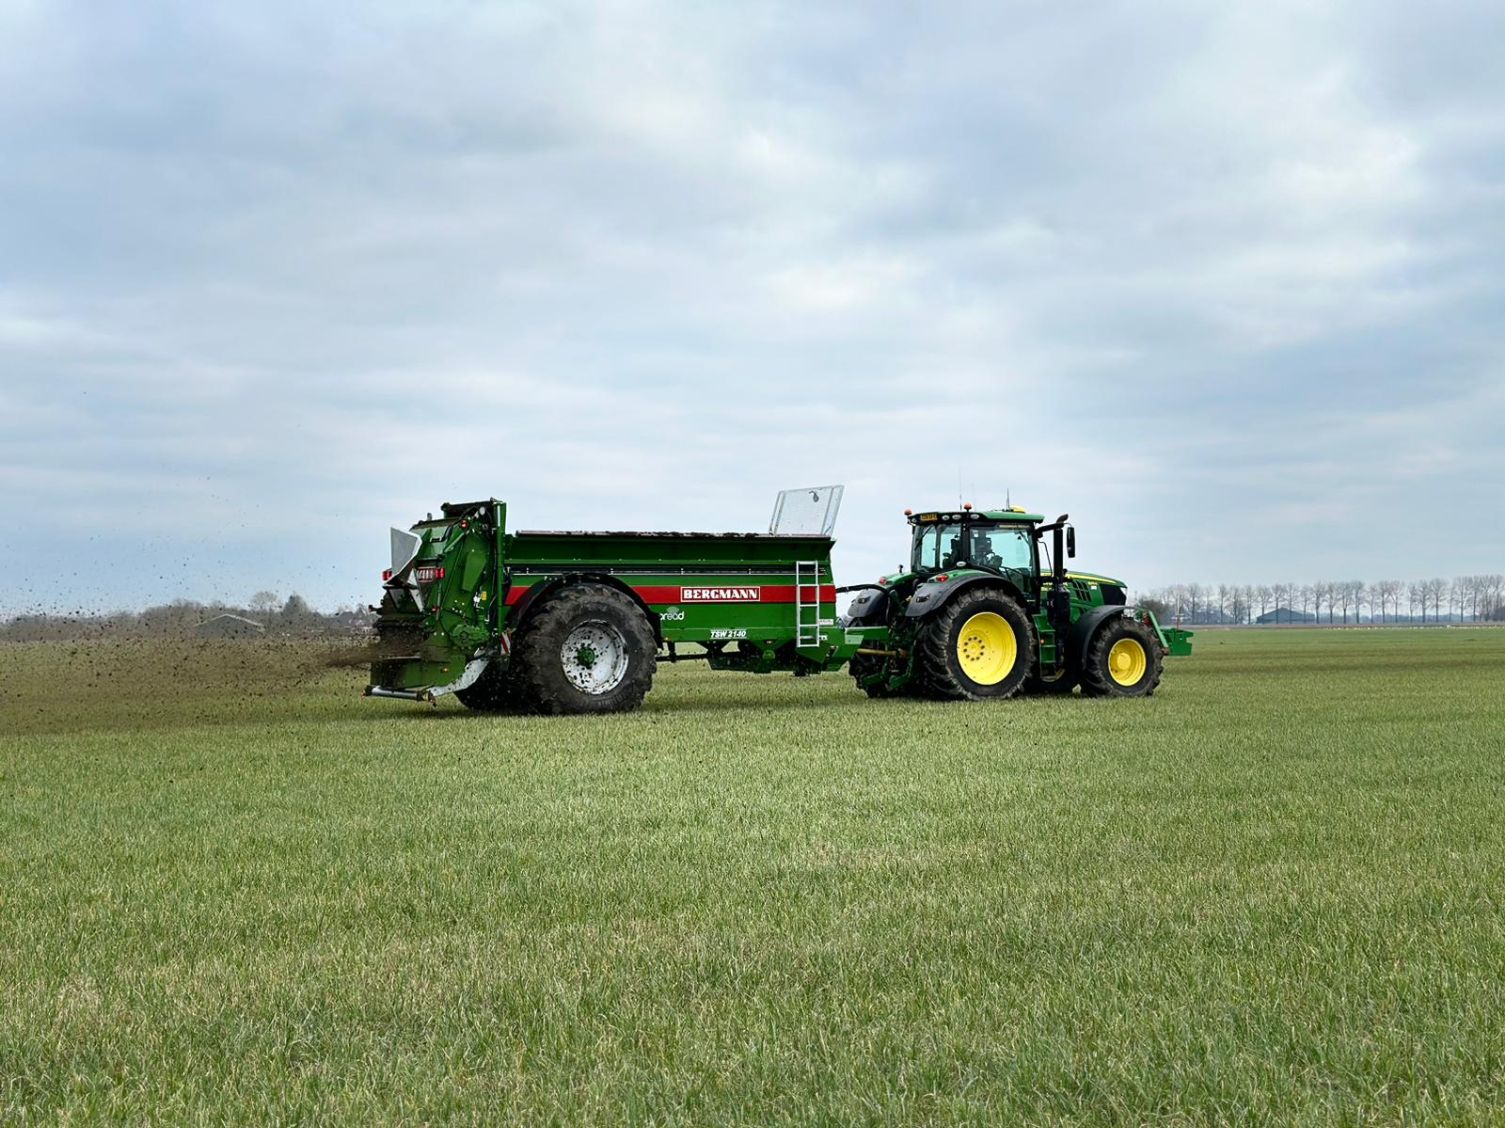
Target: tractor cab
x,y
1003,542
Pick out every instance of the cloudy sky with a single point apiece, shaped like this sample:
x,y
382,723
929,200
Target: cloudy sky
x,y
1222,281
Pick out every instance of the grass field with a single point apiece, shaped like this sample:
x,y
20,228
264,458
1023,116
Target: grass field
x,y
232,891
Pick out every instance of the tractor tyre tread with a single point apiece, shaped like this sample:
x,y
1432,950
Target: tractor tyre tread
x,y
543,686
935,647
865,665
1097,682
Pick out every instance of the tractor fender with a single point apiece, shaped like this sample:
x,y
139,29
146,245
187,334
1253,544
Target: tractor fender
x,y
540,592
1084,628
869,606
931,595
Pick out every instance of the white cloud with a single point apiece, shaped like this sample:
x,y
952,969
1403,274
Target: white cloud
x,y
1182,271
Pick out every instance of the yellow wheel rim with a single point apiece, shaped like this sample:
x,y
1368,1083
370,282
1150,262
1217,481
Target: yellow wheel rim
x,y
986,648
1127,661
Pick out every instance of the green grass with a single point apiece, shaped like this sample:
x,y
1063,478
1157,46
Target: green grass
x,y
232,891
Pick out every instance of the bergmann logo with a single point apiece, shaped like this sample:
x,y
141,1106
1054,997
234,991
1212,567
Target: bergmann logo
x,y
720,594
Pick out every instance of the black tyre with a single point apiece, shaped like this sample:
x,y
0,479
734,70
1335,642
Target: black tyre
x,y
865,666
494,691
1123,660
588,649
978,647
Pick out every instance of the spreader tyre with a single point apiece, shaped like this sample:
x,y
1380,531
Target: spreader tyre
x,y
589,649
1122,660
495,690
979,646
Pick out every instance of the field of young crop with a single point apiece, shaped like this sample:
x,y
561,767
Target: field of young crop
x,y
232,891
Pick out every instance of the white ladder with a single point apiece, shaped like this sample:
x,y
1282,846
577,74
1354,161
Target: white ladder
x,y
807,620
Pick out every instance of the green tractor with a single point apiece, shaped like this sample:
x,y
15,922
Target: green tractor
x,y
987,609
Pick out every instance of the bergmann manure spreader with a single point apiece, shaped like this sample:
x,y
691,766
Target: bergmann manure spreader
x,y
576,622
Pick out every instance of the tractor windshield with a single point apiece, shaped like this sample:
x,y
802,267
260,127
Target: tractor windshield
x,y
993,547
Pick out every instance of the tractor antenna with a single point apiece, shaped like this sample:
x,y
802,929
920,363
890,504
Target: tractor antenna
x,y
1008,498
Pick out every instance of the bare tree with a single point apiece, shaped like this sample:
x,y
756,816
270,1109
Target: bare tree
x,y
1437,591
1473,590
1178,600
1391,590
1494,595
1342,594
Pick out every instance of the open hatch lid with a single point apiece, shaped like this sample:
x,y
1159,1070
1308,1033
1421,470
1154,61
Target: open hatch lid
x,y
808,510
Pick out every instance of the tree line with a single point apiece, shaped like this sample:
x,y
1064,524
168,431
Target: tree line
x,y
292,616
1478,599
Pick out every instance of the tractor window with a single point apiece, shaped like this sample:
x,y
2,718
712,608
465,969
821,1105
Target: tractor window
x,y
1002,547
939,547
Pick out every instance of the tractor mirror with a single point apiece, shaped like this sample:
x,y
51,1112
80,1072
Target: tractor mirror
x,y
1071,542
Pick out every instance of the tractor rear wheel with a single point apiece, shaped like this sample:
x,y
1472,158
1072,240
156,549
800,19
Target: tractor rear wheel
x,y
588,649
979,646
1122,660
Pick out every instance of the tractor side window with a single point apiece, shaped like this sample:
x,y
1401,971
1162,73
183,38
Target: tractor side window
x,y
939,547
1004,548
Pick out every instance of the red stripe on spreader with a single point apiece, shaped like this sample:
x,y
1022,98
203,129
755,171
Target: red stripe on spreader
x,y
665,595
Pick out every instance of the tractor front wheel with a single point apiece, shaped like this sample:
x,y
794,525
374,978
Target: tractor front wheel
x,y
1122,660
979,646
589,649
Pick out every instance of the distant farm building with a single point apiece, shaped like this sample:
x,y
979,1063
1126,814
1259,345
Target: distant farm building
x,y
1286,615
230,626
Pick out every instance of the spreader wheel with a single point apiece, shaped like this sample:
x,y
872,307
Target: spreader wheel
x,y
979,646
1122,660
494,691
589,649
